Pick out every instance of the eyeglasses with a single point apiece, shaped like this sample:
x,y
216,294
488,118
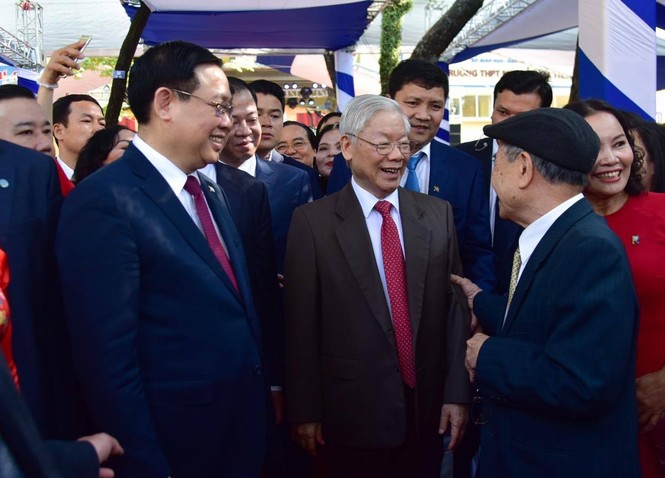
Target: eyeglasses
x,y
297,144
385,149
220,109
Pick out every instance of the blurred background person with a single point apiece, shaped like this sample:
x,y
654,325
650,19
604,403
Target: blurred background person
x,y
649,138
270,101
23,122
328,146
637,216
75,119
298,141
331,118
103,147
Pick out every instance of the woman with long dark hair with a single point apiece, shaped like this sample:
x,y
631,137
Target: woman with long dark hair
x,y
103,147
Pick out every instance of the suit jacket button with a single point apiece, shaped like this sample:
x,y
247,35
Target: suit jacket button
x,y
257,370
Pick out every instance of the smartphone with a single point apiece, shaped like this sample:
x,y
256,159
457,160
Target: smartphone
x,y
86,39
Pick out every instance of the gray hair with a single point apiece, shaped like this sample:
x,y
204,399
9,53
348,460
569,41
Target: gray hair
x,y
553,173
361,109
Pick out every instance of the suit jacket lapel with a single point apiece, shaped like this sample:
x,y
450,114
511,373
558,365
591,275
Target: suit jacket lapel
x,y
485,149
417,238
551,238
264,173
222,216
357,248
156,187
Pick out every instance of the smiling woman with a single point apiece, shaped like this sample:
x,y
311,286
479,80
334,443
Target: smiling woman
x,y
615,191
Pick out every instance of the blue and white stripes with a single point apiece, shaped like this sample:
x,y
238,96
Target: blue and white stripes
x,y
443,134
617,53
344,78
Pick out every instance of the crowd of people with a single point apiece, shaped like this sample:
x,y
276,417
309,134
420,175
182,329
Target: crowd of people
x,y
225,294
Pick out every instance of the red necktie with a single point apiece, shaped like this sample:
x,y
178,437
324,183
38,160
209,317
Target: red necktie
x,y
395,270
193,187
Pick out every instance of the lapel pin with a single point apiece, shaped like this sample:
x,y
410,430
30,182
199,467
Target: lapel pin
x,y
212,190
635,240
4,184
435,188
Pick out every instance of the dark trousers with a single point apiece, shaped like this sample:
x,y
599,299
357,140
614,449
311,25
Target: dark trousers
x,y
414,459
465,451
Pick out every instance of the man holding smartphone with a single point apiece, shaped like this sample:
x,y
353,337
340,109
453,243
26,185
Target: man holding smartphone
x,y
75,117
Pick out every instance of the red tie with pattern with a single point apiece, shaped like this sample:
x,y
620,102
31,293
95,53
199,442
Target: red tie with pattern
x,y
395,270
193,187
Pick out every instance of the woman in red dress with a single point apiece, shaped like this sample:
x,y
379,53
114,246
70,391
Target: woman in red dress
x,y
615,191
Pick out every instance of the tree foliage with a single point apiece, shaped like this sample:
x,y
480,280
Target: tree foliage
x,y
391,38
101,64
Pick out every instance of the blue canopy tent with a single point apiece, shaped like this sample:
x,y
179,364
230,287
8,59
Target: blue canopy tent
x,y
329,25
275,24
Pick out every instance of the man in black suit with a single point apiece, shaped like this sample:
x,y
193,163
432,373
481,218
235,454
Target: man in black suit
x,y
288,187
517,91
270,102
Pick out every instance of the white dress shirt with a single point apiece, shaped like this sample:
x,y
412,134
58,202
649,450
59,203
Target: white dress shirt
x,y
210,172
493,196
374,220
249,166
69,172
534,233
176,179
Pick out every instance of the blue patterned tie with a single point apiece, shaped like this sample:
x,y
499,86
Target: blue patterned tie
x,y
412,178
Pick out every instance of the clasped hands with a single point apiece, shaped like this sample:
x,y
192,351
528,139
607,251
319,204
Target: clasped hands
x,y
478,339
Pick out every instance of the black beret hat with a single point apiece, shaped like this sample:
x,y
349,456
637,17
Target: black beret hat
x,y
556,135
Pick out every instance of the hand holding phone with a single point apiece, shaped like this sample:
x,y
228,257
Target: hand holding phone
x,y
86,41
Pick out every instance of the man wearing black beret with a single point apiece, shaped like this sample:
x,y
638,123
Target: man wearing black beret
x,y
553,361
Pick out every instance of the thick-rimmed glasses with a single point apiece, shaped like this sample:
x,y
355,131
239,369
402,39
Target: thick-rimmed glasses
x,y
220,109
385,149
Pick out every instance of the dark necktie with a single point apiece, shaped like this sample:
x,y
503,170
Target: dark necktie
x,y
193,187
395,270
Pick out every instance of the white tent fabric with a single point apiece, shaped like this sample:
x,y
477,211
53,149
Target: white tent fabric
x,y
617,39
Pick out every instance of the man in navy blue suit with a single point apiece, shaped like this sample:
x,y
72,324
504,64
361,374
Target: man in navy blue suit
x,y
288,187
270,102
554,362
516,92
421,89
158,296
